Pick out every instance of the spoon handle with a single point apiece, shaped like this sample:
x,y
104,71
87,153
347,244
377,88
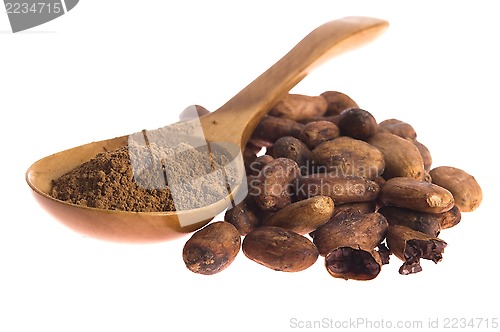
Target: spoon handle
x,y
235,121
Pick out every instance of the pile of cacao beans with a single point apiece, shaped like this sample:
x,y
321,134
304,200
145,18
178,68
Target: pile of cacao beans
x,y
326,179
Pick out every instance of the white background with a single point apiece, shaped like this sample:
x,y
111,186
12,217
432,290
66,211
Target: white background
x,y
109,68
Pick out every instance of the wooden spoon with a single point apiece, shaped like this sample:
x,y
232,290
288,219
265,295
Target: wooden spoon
x,y
233,123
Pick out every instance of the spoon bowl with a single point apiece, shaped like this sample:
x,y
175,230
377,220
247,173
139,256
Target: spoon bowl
x,y
231,124
111,225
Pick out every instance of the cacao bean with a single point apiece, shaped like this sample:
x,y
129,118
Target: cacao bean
x,y
212,249
279,249
464,187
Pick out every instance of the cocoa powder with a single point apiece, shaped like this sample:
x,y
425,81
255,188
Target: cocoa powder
x,y
107,182
148,178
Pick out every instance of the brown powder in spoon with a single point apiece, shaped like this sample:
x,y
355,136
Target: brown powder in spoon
x,y
108,181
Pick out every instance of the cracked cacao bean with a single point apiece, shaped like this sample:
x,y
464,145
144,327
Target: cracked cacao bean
x,y
348,245
410,246
353,263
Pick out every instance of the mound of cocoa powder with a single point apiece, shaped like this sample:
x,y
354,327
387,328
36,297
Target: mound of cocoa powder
x,y
111,181
107,182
